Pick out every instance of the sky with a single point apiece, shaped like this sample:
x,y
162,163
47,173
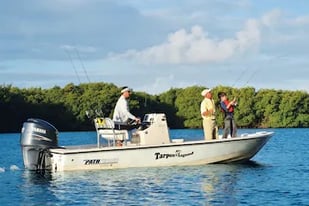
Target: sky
x,y
155,45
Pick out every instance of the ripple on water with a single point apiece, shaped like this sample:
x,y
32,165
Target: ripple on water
x,y
14,167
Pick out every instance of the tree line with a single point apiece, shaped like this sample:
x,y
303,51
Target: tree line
x,y
65,107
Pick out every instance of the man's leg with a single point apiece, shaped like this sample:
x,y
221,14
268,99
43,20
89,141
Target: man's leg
x,y
215,134
227,125
207,125
234,133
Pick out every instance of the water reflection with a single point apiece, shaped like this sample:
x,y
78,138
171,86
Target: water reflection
x,y
221,182
35,188
199,185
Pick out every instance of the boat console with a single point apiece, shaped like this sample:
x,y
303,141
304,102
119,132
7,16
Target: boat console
x,y
155,132
152,130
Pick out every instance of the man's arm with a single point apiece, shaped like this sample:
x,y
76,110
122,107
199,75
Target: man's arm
x,y
205,111
223,106
127,112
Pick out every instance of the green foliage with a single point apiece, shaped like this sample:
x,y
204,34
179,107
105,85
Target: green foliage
x,y
245,112
187,104
282,108
167,106
66,107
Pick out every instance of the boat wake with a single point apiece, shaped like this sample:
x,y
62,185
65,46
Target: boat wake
x,y
12,168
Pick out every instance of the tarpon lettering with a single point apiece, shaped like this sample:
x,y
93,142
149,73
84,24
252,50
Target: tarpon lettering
x,y
177,153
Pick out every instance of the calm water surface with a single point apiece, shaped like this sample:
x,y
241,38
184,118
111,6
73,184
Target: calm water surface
x,y
278,175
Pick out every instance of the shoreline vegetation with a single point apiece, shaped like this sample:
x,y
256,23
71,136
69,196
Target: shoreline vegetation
x,y
65,107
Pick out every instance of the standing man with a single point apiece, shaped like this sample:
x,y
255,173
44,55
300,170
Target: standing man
x,y
122,114
208,114
228,109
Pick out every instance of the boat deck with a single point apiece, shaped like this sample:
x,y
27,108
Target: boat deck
x,y
130,146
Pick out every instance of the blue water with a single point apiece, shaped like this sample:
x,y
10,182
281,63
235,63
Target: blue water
x,y
278,175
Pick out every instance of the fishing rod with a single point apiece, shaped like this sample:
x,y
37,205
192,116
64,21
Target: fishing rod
x,y
82,64
73,65
270,60
254,72
90,113
251,77
240,76
95,112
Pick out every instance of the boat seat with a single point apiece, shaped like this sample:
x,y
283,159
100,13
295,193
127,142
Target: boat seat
x,y
103,123
107,129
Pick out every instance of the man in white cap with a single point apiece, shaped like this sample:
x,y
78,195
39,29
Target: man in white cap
x,y
208,114
121,112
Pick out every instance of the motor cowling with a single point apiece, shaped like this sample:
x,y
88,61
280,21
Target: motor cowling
x,y
36,137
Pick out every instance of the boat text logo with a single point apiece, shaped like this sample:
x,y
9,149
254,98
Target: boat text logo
x,y
178,153
100,161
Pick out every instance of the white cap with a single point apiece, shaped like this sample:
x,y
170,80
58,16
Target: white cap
x,y
126,89
205,91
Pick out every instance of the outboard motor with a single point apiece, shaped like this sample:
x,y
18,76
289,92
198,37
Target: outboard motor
x,y
36,137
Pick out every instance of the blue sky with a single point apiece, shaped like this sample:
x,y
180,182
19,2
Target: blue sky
x,y
154,45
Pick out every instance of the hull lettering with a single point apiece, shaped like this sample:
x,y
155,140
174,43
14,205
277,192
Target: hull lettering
x,y
99,161
177,154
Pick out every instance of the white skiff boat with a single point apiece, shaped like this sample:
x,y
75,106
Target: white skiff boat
x,y
147,146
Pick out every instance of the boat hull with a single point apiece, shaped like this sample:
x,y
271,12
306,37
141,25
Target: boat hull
x,y
237,149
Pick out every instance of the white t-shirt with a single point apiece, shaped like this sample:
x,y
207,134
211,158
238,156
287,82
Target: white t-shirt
x,y
121,112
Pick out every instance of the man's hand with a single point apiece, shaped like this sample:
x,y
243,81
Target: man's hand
x,y
208,113
234,102
138,120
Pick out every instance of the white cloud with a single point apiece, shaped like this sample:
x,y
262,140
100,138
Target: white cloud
x,y
272,17
195,46
270,32
71,48
159,84
164,83
300,21
157,44
96,26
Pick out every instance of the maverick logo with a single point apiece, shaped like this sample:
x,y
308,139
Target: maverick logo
x,y
178,153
